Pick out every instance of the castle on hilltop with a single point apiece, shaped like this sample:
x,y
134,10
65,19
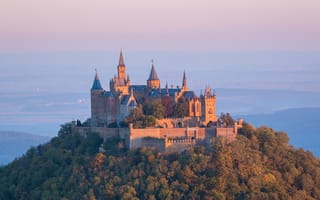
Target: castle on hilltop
x,y
109,107
198,125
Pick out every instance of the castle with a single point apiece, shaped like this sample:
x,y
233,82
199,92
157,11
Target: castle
x,y
199,125
108,107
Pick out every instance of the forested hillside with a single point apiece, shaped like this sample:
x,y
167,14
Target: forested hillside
x,y
260,164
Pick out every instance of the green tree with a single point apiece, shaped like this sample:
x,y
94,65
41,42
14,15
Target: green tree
x,y
149,121
154,107
91,143
181,108
135,117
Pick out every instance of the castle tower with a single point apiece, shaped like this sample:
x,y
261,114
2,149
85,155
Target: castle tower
x,y
184,82
120,84
208,106
153,81
98,106
121,67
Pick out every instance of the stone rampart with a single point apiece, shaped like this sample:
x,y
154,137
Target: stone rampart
x,y
104,132
227,133
162,139
179,144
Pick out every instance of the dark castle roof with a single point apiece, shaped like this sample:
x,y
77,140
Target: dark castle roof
x,y
153,74
107,94
96,83
190,95
126,99
164,91
138,88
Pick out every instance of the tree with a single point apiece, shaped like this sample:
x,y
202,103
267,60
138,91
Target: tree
x,y
135,117
226,120
181,108
65,129
91,144
154,107
149,121
167,104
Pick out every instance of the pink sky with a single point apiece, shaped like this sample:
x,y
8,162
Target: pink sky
x,y
181,25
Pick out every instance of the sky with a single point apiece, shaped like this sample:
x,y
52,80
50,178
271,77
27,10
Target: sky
x,y
175,25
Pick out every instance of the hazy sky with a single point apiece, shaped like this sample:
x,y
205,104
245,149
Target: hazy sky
x,y
180,25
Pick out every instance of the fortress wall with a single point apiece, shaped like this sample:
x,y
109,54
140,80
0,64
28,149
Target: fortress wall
x,y
145,132
227,133
179,145
137,135
104,132
157,144
172,132
154,137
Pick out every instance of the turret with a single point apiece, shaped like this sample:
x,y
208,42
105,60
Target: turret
x,y
121,67
121,83
153,81
98,110
208,106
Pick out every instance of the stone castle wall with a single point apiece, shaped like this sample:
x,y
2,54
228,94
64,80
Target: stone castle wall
x,y
227,133
162,139
179,145
137,136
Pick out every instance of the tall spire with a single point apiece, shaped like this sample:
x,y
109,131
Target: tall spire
x,y
121,67
96,82
167,89
121,60
184,81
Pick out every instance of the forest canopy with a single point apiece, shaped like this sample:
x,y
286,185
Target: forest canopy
x,y
259,164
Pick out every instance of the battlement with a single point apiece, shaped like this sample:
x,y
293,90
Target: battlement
x,y
163,139
180,140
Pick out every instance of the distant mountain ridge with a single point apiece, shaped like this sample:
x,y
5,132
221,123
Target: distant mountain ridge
x,y
15,144
301,124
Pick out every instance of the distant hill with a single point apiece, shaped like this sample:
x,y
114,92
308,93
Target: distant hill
x,y
15,144
258,165
301,124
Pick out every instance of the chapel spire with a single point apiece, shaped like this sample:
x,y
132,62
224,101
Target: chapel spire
x,y
184,82
121,67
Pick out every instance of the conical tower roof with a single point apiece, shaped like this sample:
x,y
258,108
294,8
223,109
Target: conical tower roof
x,y
153,74
96,83
184,81
121,60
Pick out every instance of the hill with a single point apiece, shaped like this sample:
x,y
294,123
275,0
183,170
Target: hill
x,y
14,144
302,125
260,164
